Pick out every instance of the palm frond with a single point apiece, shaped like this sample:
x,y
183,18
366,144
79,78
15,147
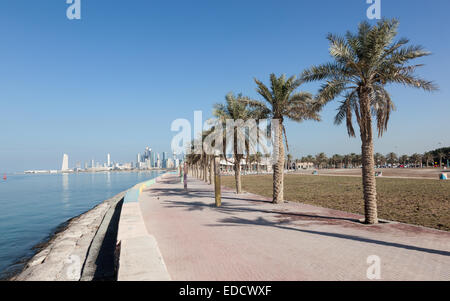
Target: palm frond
x,y
345,112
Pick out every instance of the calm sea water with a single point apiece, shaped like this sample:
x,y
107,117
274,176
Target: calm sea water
x,y
33,206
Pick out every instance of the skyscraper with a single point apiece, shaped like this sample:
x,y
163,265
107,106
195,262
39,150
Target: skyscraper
x,y
138,160
108,160
150,157
147,153
65,163
164,160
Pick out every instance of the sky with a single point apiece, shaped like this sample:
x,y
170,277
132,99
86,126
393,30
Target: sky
x,y
113,81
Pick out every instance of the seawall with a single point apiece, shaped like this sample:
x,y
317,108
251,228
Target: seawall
x,y
84,250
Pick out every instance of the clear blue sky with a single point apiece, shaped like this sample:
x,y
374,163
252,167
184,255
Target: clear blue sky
x,y
116,79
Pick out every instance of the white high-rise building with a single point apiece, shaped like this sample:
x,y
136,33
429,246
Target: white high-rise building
x,y
65,163
108,160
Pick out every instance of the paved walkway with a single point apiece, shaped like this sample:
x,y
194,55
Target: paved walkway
x,y
251,239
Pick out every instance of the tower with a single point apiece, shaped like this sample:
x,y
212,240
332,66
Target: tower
x,y
138,160
164,160
65,163
108,160
151,158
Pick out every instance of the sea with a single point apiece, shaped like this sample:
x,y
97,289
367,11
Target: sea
x,y
34,206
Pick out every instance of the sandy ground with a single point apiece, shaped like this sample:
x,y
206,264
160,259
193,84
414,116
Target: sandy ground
x,y
249,238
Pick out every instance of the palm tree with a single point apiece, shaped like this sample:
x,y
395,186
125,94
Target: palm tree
x,y
283,102
379,159
321,159
258,157
417,159
364,63
353,159
297,161
391,158
403,159
441,155
358,160
347,160
448,158
335,160
237,108
428,157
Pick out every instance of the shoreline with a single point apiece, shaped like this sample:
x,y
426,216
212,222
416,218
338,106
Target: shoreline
x,y
74,237
21,263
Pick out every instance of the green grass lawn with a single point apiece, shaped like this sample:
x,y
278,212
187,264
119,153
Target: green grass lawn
x,y
413,201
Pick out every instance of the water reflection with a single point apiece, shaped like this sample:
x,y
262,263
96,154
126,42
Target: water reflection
x,y
65,190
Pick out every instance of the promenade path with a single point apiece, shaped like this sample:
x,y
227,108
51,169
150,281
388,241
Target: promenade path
x,y
249,238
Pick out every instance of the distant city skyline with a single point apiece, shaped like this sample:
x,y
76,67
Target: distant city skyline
x,y
69,165
116,79
149,160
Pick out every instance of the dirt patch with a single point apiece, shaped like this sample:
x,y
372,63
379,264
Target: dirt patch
x,y
413,201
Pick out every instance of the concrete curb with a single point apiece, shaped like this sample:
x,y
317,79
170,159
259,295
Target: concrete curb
x,y
139,256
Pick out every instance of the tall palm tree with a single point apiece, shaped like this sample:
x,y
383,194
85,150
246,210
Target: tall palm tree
x,y
428,157
283,102
258,158
364,63
391,158
347,160
358,160
448,158
353,159
379,159
417,159
336,161
441,156
237,107
403,159
321,159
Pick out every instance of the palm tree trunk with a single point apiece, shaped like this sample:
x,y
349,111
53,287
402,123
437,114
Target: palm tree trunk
x,y
237,174
237,163
205,170
211,171
278,172
368,172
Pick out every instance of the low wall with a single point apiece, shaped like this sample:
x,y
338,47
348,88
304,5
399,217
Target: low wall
x,y
84,250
